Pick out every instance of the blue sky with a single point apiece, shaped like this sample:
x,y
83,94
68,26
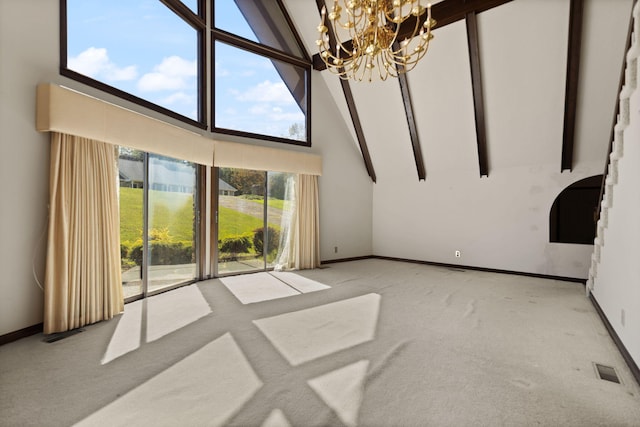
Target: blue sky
x,y
142,47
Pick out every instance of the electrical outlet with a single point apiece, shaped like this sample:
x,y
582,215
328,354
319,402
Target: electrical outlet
x,y
457,254
335,249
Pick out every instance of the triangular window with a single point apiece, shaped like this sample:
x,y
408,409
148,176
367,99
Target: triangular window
x,y
259,21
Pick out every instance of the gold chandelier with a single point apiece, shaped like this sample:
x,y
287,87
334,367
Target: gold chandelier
x,y
373,26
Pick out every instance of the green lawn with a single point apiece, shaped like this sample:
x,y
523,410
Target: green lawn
x,y
174,211
272,203
234,223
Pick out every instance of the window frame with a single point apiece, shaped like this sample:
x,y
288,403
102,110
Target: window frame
x,y
270,53
199,234
196,21
204,23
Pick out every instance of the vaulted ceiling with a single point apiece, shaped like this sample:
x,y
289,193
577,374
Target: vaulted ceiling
x,y
506,83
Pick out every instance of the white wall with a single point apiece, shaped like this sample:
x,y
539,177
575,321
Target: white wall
x,y
617,283
500,221
29,54
345,188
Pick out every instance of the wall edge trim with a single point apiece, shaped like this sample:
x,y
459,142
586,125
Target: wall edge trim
x,y
21,333
459,266
633,367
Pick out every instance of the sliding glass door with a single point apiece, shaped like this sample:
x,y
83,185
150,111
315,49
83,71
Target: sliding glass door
x,y
157,222
131,197
250,225
171,222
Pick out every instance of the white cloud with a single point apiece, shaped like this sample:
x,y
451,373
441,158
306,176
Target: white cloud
x,y
94,62
176,66
287,117
221,72
267,92
171,74
276,114
152,82
259,109
178,98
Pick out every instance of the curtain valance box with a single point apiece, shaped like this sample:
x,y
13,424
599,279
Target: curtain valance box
x,y
60,109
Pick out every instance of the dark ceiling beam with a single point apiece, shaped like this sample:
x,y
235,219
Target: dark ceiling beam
x,y
571,90
411,122
445,12
351,104
478,93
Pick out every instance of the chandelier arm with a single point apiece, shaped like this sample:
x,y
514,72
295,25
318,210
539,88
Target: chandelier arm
x,y
396,32
337,39
357,19
383,68
415,33
374,27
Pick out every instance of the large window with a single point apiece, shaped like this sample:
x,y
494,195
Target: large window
x,y
255,211
254,94
261,74
158,237
156,53
141,48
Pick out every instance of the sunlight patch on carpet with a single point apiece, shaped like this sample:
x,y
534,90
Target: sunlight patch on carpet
x,y
263,286
276,419
127,336
298,282
308,334
207,387
162,314
342,390
170,311
257,287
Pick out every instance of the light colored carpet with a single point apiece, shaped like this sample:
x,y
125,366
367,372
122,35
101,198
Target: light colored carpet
x,y
381,343
265,286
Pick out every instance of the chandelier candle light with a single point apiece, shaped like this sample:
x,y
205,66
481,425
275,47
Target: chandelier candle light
x,y
373,27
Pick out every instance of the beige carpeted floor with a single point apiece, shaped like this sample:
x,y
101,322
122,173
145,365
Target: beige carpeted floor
x,y
368,343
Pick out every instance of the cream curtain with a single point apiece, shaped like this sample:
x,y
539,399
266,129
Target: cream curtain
x,y
83,281
307,244
300,236
285,259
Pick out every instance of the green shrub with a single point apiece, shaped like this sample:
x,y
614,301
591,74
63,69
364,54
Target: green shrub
x,y
273,239
136,254
236,244
124,250
165,253
126,264
160,235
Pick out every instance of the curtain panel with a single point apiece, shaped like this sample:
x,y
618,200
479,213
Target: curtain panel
x,y
307,241
83,281
300,228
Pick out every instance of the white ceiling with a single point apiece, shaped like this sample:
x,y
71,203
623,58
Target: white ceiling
x,y
523,55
